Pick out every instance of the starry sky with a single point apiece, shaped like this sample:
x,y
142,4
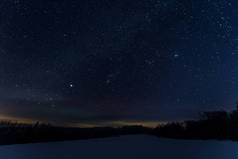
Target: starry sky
x,y
114,62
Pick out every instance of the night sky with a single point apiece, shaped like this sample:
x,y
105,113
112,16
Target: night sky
x,y
115,62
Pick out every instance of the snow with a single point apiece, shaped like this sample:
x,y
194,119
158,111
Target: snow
x,y
130,146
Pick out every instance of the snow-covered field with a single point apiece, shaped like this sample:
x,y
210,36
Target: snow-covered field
x,y
131,147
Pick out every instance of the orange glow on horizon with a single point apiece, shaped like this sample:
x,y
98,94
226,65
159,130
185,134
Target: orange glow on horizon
x,y
151,124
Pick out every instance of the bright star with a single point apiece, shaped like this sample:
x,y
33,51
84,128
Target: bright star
x,y
71,85
176,55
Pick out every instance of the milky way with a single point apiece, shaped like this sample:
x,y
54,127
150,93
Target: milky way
x,y
88,61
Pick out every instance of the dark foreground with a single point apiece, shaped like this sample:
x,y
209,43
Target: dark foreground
x,y
16,133
124,147
219,125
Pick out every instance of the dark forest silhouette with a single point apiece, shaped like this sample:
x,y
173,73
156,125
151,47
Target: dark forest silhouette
x,y
212,125
220,125
17,133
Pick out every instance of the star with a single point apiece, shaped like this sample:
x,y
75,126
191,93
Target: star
x,y
176,55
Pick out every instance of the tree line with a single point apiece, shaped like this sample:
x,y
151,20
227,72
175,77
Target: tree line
x,y
221,125
212,125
